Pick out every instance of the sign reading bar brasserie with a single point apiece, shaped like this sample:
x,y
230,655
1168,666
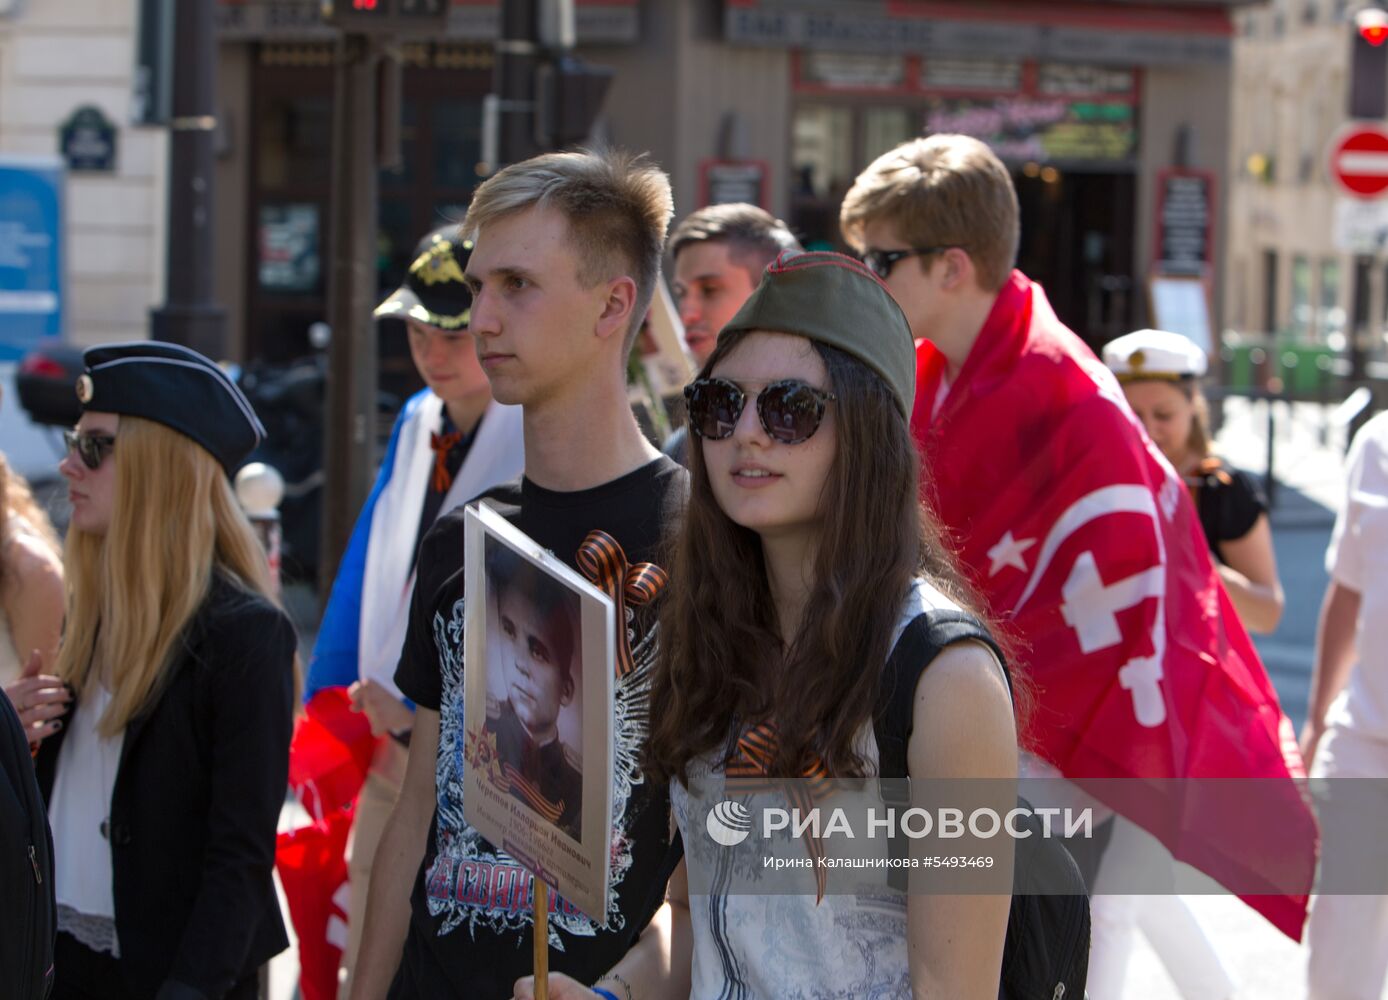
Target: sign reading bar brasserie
x,y
852,26
596,21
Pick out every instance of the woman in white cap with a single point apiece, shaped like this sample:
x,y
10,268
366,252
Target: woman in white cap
x,y
165,786
1160,374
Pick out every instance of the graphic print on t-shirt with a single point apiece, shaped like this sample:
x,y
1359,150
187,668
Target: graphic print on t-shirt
x,y
471,882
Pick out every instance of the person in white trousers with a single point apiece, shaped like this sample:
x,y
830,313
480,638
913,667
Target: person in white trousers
x,y
1163,918
1346,734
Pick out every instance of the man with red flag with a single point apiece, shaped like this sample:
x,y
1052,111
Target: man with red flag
x,y
1080,536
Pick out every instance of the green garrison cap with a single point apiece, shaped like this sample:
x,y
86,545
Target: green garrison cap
x,y
837,301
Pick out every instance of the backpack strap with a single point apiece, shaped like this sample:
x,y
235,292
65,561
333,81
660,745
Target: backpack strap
x,y
1046,952
924,638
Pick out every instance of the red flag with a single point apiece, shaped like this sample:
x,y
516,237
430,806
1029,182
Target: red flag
x,y
313,870
1081,537
328,760
330,753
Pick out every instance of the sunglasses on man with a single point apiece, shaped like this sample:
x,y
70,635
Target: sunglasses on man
x,y
91,448
881,262
790,410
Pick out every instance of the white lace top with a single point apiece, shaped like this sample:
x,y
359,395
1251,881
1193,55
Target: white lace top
x,y
78,813
775,946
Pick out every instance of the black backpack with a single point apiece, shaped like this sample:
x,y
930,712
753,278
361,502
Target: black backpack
x,y
1046,955
28,917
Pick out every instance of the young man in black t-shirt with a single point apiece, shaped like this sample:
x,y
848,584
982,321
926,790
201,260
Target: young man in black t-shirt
x,y
566,258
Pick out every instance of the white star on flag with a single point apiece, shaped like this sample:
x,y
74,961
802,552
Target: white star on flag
x,y
1008,552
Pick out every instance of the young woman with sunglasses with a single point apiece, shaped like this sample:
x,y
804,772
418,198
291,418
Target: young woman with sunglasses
x,y
165,785
803,553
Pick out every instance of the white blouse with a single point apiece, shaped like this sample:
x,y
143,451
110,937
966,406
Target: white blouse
x,y
79,814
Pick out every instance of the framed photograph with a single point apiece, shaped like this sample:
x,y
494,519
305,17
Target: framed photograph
x,y
538,668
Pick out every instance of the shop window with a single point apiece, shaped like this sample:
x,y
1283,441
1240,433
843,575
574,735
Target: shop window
x,y
295,142
405,177
822,151
884,129
1331,315
1385,303
1301,297
457,143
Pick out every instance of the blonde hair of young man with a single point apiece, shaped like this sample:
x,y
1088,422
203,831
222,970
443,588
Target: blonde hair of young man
x,y
941,191
132,592
618,206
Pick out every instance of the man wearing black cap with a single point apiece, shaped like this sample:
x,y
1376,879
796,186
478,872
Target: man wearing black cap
x,y
451,442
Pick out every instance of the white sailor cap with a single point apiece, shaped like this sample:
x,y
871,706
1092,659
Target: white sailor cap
x,y
1154,354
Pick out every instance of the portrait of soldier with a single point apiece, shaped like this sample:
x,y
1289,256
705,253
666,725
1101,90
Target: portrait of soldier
x,y
536,618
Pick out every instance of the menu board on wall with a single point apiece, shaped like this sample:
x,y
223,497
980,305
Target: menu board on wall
x,y
1182,305
723,182
289,257
1185,212
1041,129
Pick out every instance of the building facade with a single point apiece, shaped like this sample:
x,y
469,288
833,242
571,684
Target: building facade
x,y
58,59
1101,109
1293,250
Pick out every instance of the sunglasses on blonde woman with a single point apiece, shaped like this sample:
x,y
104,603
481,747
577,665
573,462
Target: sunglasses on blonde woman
x,y
790,410
91,448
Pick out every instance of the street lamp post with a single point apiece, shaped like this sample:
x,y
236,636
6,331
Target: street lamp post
x,y
189,315
349,441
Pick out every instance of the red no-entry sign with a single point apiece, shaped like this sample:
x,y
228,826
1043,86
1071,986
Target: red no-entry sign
x,y
1359,160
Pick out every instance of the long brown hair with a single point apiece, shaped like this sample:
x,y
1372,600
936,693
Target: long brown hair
x,y
722,662
133,591
19,502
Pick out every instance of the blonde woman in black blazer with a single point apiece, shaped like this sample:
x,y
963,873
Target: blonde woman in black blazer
x,y
165,785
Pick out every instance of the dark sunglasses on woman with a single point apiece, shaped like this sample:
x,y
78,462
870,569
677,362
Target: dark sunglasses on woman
x,y
790,410
91,448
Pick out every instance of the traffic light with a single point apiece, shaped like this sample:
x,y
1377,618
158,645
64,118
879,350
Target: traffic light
x,y
1368,66
387,17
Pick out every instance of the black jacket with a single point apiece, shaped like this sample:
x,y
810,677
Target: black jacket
x,y
27,916
197,797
